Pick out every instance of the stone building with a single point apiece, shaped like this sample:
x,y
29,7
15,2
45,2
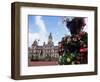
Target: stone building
x,y
45,52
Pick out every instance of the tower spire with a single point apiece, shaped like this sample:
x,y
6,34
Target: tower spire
x,y
50,39
50,36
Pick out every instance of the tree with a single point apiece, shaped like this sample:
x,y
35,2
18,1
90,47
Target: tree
x,y
73,49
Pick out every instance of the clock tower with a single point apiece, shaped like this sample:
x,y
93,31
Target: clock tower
x,y
50,42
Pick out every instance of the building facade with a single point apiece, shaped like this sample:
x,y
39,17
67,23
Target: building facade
x,y
45,52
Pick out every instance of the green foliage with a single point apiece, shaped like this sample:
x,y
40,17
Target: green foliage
x,y
66,59
73,49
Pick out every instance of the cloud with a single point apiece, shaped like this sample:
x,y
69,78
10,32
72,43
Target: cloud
x,y
55,42
32,37
40,23
41,35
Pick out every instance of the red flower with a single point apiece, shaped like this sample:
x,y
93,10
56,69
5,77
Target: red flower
x,y
83,49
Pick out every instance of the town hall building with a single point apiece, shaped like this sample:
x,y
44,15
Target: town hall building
x,y
45,52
